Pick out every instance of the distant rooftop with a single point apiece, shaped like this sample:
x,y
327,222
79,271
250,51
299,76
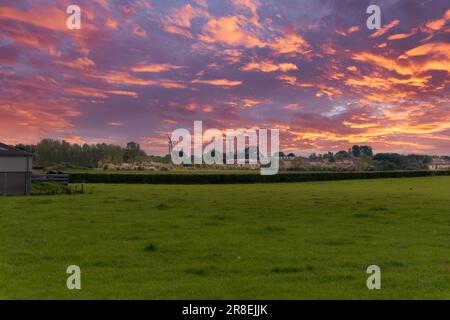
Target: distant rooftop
x,y
8,151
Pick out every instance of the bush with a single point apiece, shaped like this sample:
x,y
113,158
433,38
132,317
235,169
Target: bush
x,y
245,178
49,188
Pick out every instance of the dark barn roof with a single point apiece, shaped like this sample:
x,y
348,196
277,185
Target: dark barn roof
x,y
8,151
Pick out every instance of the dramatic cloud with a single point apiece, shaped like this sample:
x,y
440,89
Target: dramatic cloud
x,y
230,31
218,82
268,66
139,69
155,68
385,29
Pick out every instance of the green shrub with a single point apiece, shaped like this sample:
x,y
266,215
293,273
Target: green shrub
x,y
245,178
51,188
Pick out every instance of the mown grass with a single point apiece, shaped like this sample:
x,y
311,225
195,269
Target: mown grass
x,y
260,241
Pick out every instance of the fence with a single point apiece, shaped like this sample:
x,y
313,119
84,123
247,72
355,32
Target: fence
x,y
55,178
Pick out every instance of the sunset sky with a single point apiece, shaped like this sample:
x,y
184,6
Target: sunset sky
x,y
139,69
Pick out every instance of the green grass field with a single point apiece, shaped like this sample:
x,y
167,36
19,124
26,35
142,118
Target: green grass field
x,y
255,241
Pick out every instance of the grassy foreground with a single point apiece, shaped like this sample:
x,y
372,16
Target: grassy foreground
x,y
261,241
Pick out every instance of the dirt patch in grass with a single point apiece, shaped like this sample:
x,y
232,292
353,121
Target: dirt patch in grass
x,y
151,247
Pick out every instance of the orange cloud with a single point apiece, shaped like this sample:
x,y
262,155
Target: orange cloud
x,y
191,106
33,39
387,83
111,23
248,103
435,25
384,62
290,43
293,107
180,20
80,63
123,78
218,82
183,16
268,66
123,93
85,92
353,29
328,91
340,32
207,109
49,18
292,80
437,56
232,56
155,68
435,48
230,31
385,28
178,31
30,119
328,49
74,139
137,30
400,36
251,6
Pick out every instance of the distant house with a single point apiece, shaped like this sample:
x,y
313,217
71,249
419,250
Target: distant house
x,y
15,171
287,161
439,164
289,157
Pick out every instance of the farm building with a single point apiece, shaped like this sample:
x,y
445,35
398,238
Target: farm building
x,y
439,164
15,171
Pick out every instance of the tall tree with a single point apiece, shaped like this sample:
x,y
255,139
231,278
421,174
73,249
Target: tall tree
x,y
356,151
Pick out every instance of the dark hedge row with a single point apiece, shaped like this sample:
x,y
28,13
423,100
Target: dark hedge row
x,y
244,178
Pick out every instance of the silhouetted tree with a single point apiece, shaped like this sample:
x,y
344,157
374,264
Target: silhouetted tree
x,y
356,151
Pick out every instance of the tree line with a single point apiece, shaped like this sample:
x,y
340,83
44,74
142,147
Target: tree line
x,y
379,161
49,152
